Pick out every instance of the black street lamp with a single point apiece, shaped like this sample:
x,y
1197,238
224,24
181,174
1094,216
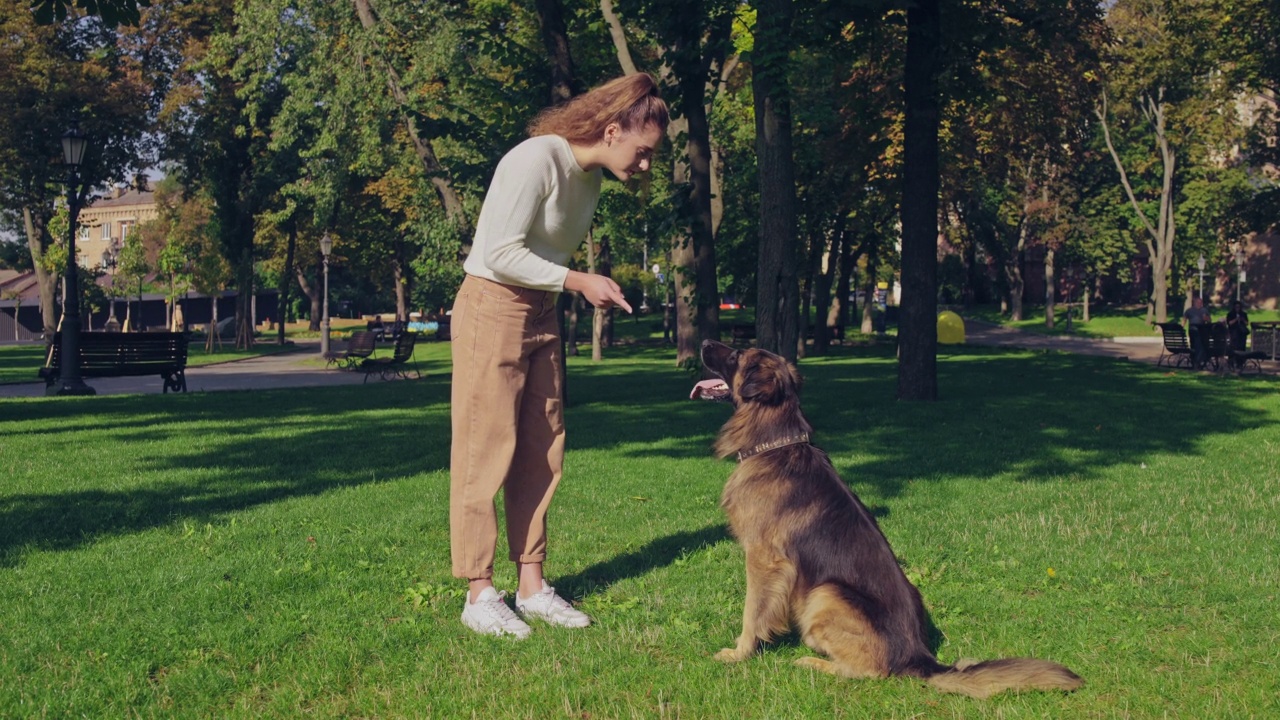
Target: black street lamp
x,y
326,247
1239,272
69,381
109,261
1200,264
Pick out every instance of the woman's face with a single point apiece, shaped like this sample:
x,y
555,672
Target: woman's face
x,y
628,153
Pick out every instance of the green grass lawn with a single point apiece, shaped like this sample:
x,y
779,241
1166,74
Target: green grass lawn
x,y
285,553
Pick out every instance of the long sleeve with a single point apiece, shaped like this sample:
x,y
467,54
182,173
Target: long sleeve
x,y
536,214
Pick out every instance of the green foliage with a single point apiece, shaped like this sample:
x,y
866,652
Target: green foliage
x,y
437,269
133,258
637,283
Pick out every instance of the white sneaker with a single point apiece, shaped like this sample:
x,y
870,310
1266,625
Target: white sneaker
x,y
551,608
489,615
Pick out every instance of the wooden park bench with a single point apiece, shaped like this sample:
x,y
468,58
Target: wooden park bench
x,y
126,354
397,364
359,347
1176,350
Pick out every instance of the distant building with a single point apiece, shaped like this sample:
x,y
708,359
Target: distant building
x,y
104,224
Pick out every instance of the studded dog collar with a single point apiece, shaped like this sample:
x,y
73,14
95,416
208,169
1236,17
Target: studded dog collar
x,y
774,445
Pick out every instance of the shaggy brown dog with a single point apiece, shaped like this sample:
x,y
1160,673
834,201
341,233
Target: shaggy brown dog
x,y
815,557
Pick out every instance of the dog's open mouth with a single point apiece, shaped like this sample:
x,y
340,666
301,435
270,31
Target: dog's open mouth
x,y
713,389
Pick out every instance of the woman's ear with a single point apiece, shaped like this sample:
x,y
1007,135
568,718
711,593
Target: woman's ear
x,y
612,132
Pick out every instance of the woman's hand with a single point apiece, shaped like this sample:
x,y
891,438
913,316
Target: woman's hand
x,y
600,291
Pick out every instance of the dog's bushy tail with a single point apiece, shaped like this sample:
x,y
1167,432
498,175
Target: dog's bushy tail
x,y
984,679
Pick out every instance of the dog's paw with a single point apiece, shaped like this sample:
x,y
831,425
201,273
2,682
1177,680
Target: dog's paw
x,y
730,655
814,663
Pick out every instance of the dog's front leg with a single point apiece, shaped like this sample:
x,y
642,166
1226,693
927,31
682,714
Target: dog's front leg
x,y
769,583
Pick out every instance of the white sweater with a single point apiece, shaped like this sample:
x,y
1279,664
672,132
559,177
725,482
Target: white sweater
x,y
535,215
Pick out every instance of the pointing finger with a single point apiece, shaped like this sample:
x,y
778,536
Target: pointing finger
x,y
621,302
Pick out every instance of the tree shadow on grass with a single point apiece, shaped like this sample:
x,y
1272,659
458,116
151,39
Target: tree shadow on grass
x,y
225,452
1033,415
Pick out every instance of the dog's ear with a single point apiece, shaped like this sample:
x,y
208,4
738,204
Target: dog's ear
x,y
766,379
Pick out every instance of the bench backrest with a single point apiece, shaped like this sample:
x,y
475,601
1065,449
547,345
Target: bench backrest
x,y
404,347
1175,337
161,351
361,344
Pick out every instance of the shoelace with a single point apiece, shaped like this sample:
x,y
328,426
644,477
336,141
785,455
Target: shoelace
x,y
498,607
557,603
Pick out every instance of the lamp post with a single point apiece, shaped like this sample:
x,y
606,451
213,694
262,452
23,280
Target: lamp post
x,y
109,261
69,380
1200,264
326,247
1239,272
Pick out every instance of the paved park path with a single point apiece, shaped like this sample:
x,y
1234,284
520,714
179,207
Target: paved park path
x,y
1141,349
297,368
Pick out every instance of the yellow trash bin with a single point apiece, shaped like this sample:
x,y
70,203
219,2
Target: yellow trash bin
x,y
950,328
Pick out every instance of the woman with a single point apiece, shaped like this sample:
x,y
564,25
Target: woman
x,y
508,428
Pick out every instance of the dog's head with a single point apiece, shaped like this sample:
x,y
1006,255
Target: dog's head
x,y
750,376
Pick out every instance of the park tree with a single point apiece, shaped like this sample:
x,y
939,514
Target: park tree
x,y
1029,77
689,42
134,266
777,292
1167,115
51,76
917,329
209,130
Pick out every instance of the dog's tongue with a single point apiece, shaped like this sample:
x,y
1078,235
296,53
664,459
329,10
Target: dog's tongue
x,y
704,388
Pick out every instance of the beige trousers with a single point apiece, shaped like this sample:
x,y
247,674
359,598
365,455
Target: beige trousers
x,y
508,422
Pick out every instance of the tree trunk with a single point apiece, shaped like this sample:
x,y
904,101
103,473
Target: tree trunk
x,y
868,293
848,273
403,280
777,311
244,302
597,315
37,241
282,310
555,38
313,295
917,318
812,275
619,38
211,338
1159,238
1017,284
697,290
828,308
1050,289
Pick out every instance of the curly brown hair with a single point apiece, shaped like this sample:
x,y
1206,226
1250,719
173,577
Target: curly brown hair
x,y
631,101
